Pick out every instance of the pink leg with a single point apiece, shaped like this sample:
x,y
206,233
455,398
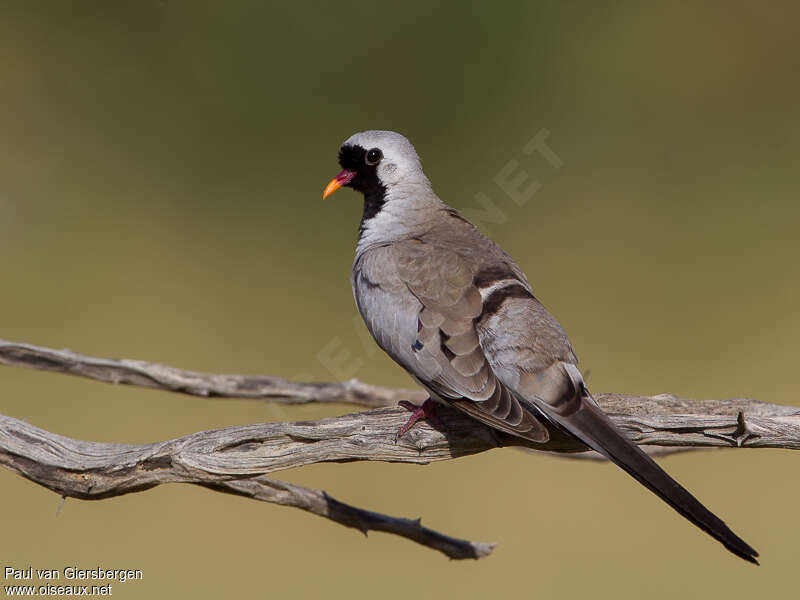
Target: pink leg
x,y
427,410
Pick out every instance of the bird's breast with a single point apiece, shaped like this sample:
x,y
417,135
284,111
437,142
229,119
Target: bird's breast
x,y
390,311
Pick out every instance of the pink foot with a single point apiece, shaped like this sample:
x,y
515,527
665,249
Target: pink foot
x,y
427,411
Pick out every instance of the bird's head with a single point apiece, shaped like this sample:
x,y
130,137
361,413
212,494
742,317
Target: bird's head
x,y
374,162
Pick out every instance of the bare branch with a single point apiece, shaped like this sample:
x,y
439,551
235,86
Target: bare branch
x,y
170,379
232,460
236,459
321,504
653,451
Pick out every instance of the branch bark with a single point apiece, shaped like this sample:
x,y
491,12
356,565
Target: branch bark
x,y
152,375
236,459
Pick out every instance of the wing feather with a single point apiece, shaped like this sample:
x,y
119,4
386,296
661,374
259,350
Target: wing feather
x,y
448,357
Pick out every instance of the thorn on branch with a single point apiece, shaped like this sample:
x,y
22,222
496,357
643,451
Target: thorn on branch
x,y
743,431
740,435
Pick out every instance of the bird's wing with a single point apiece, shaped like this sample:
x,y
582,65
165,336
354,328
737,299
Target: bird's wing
x,y
509,331
446,355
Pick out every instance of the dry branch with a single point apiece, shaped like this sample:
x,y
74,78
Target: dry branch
x,y
235,459
170,379
321,504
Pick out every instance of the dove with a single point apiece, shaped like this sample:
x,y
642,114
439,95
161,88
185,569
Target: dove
x,y
454,310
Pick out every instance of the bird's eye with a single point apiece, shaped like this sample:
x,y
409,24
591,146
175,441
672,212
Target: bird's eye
x,y
374,156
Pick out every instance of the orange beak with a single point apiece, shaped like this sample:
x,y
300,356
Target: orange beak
x,y
341,179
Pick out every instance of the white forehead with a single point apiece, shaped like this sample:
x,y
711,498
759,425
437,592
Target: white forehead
x,y
394,146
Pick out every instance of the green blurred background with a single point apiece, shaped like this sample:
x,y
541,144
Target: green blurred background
x,y
161,165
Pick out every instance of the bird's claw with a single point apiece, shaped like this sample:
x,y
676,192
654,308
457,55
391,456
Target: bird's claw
x,y
426,410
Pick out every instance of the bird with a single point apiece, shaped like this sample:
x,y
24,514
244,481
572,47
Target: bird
x,y
454,310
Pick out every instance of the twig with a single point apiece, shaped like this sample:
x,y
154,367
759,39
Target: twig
x,y
323,505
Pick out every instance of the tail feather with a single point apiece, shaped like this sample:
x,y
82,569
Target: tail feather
x,y
565,401
597,431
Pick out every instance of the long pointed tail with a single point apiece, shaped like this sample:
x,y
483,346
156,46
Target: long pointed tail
x,y
581,417
599,433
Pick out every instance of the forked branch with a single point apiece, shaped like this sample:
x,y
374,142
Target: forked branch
x,y
236,459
